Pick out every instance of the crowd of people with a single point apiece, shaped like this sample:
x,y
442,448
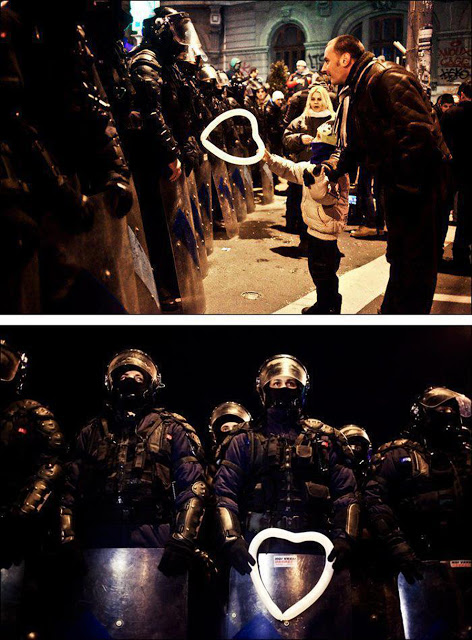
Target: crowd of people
x,y
111,203
138,477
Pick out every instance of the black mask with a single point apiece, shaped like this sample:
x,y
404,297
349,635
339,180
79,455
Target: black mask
x,y
285,399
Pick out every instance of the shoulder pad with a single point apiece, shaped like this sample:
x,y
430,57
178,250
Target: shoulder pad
x,y
243,427
145,57
312,423
401,442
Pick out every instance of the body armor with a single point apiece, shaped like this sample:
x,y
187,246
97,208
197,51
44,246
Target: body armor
x,y
136,476
32,446
288,481
429,492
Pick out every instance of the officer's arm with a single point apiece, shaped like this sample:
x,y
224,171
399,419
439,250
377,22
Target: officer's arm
x,y
343,489
51,444
188,481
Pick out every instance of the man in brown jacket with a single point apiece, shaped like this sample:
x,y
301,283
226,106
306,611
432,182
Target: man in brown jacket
x,y
385,122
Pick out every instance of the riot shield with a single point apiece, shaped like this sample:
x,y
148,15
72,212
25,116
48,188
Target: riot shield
x,y
90,272
125,596
247,177
238,189
145,282
288,577
197,223
439,606
267,181
177,207
11,590
224,197
203,180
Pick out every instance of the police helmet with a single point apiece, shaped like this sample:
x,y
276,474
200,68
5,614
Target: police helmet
x,y
283,365
133,359
224,414
172,34
438,410
13,366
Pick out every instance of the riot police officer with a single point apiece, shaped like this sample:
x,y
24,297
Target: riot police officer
x,y
136,479
285,470
167,104
425,477
421,497
61,168
32,450
361,446
375,603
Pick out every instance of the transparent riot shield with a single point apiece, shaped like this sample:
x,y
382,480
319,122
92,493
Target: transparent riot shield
x,y
287,578
439,607
197,223
89,272
11,590
178,212
238,189
203,180
267,181
224,196
125,596
145,282
247,177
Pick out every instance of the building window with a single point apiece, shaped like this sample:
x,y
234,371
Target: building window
x,y
357,31
383,31
289,45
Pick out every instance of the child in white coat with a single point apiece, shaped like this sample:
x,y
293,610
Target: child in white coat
x,y
325,208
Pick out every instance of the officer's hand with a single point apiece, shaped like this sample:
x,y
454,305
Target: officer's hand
x,y
178,557
266,156
407,563
119,199
239,557
341,553
176,170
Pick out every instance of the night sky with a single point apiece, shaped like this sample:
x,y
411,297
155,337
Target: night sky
x,y
367,375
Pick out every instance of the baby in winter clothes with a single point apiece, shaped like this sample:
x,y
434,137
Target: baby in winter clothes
x,y
325,207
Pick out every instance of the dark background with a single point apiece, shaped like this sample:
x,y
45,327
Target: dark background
x,y
367,375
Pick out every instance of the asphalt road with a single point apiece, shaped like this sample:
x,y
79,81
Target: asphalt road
x,y
260,272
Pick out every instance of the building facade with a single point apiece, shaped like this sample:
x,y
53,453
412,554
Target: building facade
x,y
260,32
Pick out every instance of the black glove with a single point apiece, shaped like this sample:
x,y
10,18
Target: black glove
x,y
341,553
406,562
238,556
179,556
308,178
120,198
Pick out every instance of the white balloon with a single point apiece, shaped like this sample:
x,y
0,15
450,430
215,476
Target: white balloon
x,y
226,156
313,595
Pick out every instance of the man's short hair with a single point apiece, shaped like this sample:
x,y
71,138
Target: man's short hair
x,y
445,98
253,69
466,89
348,44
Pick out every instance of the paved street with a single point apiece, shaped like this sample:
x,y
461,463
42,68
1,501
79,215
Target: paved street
x,y
260,272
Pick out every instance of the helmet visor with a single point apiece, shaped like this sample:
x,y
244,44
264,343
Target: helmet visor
x,y
283,365
185,34
133,359
9,363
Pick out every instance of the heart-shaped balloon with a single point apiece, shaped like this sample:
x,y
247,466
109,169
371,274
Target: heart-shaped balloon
x,y
219,153
313,595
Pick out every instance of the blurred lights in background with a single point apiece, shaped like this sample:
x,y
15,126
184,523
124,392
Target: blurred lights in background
x,y
140,11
